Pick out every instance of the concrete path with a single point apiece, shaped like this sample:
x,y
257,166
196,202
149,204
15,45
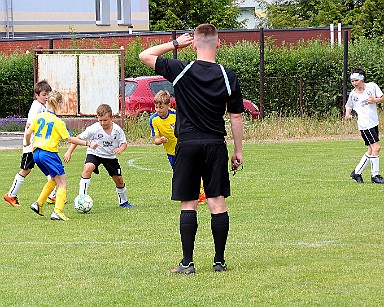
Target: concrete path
x,y
11,140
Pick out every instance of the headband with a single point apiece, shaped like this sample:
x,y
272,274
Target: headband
x,y
358,76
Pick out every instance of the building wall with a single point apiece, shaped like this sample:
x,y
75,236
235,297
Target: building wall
x,y
68,16
248,9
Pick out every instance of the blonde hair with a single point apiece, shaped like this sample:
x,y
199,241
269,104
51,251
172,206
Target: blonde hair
x,y
162,97
104,109
54,101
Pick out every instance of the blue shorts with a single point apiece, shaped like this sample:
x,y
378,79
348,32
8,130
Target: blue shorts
x,y
171,160
48,162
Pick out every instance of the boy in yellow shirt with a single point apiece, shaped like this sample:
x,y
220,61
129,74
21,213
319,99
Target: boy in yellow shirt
x,y
48,130
162,125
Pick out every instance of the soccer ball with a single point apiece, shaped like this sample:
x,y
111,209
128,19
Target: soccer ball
x,y
83,203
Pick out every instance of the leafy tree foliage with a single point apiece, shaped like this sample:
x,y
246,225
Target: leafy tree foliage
x,y
366,17
166,15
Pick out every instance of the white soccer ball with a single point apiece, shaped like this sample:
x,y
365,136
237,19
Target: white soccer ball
x,y
83,203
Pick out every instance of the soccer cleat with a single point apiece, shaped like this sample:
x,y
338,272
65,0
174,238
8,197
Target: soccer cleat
x,y
126,205
357,177
51,200
13,201
59,216
219,266
184,269
38,209
202,199
377,179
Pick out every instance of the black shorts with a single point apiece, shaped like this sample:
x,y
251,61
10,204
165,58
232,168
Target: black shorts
x,y
111,165
205,159
370,136
27,161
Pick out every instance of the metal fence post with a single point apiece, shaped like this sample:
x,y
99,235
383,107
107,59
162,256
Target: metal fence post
x,y
345,77
261,116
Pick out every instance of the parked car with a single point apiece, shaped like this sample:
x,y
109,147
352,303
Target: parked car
x,y
140,92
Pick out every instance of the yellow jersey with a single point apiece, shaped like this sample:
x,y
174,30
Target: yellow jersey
x,y
165,127
48,130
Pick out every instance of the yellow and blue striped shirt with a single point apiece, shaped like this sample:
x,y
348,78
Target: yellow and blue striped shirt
x,y
165,127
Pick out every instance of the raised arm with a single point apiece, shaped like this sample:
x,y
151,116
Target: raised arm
x,y
149,56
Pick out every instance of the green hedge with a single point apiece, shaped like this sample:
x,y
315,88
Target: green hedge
x,y
314,65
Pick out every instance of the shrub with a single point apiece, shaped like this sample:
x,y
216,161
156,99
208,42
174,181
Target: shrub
x,y
307,77
12,123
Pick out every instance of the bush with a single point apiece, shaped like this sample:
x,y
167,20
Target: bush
x,y
12,123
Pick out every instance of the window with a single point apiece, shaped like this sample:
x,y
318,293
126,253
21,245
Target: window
x,y
124,12
157,86
130,87
102,12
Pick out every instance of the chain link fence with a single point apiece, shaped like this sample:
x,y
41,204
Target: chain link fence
x,y
295,96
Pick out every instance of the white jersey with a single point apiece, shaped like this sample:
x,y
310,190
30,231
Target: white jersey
x,y
366,113
35,109
107,142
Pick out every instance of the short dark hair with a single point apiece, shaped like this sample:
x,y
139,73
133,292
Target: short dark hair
x,y
206,35
42,86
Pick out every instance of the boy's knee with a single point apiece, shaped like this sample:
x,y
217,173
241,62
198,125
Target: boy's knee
x,y
119,181
25,172
88,168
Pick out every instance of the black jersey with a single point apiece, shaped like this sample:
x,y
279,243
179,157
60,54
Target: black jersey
x,y
202,97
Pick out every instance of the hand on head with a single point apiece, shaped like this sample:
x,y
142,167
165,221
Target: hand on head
x,y
185,40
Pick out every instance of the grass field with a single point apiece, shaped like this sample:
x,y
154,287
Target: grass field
x,y
302,233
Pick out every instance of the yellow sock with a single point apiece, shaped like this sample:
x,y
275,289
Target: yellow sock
x,y
47,189
201,187
61,196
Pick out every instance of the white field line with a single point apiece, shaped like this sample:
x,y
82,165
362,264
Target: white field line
x,y
296,179
131,163
148,243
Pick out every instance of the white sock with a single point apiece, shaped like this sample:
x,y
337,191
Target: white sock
x,y
16,185
53,194
122,195
84,185
362,164
375,165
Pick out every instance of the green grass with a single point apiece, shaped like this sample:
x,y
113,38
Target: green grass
x,y
302,233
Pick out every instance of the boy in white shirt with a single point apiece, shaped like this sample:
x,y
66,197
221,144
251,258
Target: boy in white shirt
x,y
362,100
41,91
111,140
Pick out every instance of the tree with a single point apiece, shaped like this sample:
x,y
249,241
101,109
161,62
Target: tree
x,y
165,15
366,17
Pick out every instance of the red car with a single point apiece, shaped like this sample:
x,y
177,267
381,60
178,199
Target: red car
x,y
140,92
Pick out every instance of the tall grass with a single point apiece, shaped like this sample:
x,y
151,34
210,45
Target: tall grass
x,y
270,128
283,128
